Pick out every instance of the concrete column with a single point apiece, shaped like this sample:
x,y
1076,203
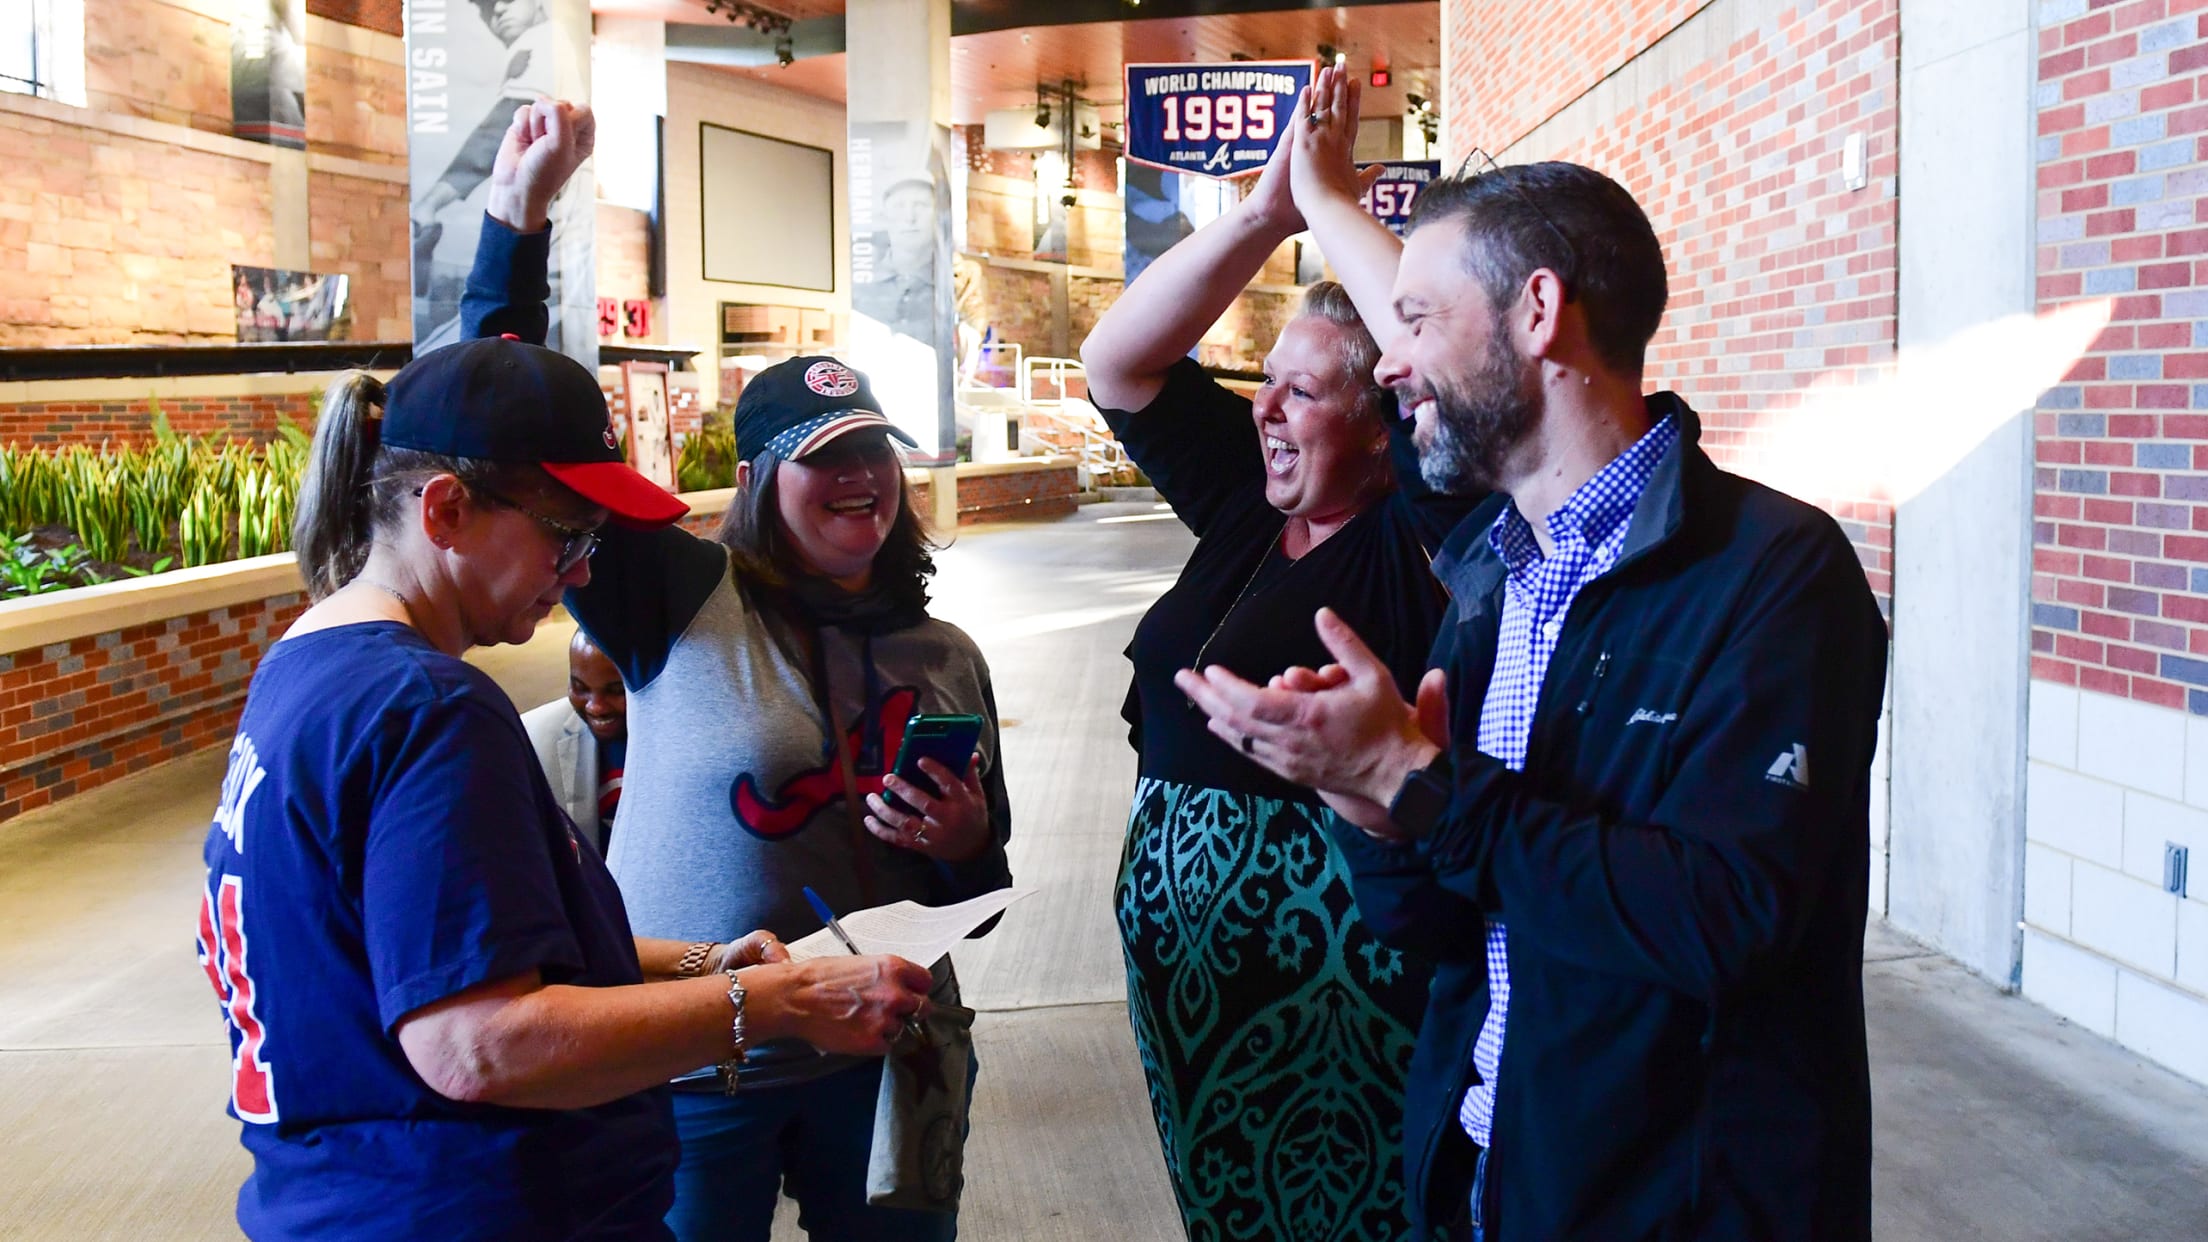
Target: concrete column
x,y
287,183
904,328
1962,548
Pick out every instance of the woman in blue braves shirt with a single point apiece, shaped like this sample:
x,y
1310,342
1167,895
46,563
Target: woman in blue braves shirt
x,y
440,1023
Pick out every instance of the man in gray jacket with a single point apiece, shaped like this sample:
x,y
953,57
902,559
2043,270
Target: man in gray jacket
x,y
582,740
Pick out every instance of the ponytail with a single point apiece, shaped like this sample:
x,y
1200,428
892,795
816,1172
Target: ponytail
x,y
334,530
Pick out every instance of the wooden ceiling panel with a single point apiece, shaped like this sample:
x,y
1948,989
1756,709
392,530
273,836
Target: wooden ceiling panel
x,y
1000,69
695,10
819,76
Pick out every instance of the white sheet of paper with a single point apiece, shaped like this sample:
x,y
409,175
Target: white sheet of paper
x,y
908,929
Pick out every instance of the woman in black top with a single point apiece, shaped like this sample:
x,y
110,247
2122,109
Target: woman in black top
x,y
1275,1030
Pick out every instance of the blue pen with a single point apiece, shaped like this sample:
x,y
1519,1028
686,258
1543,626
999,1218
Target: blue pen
x,y
828,916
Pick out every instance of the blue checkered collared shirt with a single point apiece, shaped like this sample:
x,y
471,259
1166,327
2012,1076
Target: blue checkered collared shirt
x,y
1588,531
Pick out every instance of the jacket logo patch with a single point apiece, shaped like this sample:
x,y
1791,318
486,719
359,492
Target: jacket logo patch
x,y
1791,768
810,792
1645,715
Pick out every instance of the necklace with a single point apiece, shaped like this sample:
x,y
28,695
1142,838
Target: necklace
x,y
1241,595
1249,584
393,592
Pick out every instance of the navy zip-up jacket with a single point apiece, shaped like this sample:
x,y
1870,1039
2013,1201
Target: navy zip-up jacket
x,y
1684,868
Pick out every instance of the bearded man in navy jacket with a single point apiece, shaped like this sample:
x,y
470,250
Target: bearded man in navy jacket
x,y
1629,813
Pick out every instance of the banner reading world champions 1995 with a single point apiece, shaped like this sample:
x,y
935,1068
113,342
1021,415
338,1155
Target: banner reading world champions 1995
x,y
1211,120
1390,198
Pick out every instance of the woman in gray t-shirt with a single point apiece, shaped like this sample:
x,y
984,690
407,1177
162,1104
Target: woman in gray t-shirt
x,y
771,671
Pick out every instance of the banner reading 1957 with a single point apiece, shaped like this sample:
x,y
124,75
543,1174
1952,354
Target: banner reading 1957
x,y
1211,120
1390,198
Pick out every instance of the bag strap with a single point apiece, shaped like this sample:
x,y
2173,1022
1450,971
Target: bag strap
x,y
862,855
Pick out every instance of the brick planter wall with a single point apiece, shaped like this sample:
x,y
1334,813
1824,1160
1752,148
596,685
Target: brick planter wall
x,y
83,711
60,423
102,415
1016,495
78,714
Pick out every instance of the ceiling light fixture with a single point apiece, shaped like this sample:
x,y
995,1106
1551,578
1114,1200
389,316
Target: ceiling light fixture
x,y
763,20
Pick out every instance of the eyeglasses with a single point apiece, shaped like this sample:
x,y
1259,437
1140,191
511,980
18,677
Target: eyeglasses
x,y
576,543
1488,165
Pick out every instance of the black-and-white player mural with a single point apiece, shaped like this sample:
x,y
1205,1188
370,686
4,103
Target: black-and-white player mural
x,y
470,63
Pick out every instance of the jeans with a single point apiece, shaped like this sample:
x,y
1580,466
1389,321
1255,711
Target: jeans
x,y
1479,1199
1472,1226
812,1139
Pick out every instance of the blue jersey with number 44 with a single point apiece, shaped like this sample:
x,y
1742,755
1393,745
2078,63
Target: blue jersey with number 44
x,y
384,841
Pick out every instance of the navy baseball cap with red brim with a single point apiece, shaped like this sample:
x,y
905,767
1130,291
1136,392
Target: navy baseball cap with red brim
x,y
501,399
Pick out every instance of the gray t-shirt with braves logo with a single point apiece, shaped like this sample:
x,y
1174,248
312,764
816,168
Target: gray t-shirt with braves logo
x,y
733,801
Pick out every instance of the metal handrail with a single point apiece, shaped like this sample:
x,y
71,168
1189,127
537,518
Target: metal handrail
x,y
1100,453
1059,371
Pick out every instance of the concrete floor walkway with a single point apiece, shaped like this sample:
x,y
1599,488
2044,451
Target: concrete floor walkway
x,y
1995,1119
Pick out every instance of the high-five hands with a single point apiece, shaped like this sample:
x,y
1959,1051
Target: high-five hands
x,y
1313,159
546,143
1324,166
1269,203
1342,730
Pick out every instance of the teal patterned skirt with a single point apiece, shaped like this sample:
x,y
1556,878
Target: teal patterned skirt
x,y
1275,1031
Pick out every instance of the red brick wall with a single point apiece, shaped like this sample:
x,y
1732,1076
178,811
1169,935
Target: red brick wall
x,y
1016,303
2120,541
1017,496
1520,61
90,422
1777,279
76,715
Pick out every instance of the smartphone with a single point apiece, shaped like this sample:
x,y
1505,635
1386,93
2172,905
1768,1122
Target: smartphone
x,y
949,740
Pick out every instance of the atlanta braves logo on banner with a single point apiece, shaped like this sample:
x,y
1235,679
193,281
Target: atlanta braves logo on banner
x,y
1401,181
1211,120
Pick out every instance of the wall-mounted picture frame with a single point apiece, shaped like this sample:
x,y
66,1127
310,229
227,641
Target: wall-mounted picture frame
x,y
651,430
